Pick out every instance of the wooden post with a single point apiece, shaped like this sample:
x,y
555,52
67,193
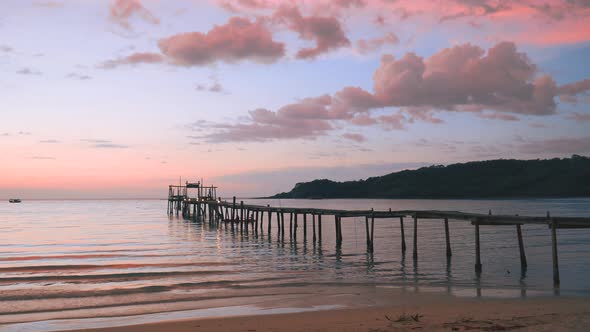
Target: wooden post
x,y
554,250
367,232
340,228
283,225
337,226
314,236
295,230
291,225
449,253
523,263
305,226
279,222
401,225
477,249
415,237
269,221
241,210
319,227
372,230
233,210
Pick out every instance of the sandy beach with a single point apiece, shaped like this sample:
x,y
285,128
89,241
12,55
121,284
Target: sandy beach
x,y
405,312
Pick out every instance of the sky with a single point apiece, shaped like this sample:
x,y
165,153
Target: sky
x,y
119,98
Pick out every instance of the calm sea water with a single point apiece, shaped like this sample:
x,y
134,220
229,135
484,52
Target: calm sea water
x,y
64,259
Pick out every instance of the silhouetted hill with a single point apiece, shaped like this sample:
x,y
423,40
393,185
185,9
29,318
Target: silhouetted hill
x,y
568,177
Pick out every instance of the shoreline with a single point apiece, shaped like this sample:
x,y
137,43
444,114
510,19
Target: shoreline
x,y
443,314
356,308
459,315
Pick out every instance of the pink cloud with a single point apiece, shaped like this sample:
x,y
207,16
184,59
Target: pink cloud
x,y
122,10
392,121
498,116
370,45
325,31
354,100
133,59
547,22
569,92
502,79
316,6
239,39
354,137
363,120
421,114
497,84
350,3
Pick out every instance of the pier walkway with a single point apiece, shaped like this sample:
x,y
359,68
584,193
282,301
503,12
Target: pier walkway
x,y
206,206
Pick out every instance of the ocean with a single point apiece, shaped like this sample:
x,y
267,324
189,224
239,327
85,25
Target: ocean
x,y
62,260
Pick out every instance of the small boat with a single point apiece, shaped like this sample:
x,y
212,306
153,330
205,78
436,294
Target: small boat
x,y
14,200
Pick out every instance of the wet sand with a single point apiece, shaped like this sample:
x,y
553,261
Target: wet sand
x,y
376,309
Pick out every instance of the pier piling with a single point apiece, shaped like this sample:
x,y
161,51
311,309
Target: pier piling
x,y
447,237
401,225
477,249
523,263
415,237
553,226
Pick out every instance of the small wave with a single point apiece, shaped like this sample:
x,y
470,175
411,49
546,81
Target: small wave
x,y
235,284
32,258
159,301
108,277
46,268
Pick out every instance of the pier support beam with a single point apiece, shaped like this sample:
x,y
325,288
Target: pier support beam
x,y
305,226
367,233
523,263
403,235
338,226
415,237
313,226
242,211
556,280
283,225
372,230
291,225
319,228
477,249
448,239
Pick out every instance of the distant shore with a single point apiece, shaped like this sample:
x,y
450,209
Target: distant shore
x,y
418,313
501,178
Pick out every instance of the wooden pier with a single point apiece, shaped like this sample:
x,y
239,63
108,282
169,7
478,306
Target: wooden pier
x,y
206,206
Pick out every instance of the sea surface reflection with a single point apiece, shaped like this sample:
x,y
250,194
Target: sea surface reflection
x,y
64,259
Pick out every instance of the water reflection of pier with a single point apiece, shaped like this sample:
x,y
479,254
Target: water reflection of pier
x,y
204,205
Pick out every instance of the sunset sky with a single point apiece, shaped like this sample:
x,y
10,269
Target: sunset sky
x,y
104,98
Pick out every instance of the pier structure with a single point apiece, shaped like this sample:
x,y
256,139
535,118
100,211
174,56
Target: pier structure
x,y
182,197
256,218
